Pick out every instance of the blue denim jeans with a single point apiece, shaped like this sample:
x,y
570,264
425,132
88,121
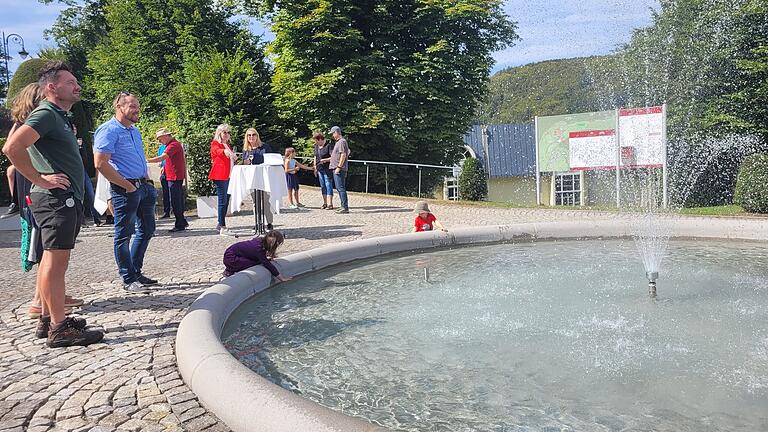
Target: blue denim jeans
x,y
340,180
134,214
326,184
221,192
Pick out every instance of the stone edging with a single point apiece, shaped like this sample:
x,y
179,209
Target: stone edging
x,y
247,402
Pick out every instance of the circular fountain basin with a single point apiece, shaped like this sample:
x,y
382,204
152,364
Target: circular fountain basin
x,y
552,335
485,346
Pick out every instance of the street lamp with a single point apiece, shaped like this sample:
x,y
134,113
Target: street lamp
x,y
18,40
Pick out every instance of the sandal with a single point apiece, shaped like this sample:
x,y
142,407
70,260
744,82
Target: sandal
x,y
35,311
330,207
325,206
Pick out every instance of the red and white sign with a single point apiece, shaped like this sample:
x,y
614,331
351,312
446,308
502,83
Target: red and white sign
x,y
594,149
643,130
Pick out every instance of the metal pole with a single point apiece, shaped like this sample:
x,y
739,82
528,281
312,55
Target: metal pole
x,y
419,181
386,180
664,173
617,136
486,158
367,168
23,53
538,173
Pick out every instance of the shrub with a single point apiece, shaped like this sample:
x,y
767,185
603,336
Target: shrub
x,y
473,185
25,74
752,184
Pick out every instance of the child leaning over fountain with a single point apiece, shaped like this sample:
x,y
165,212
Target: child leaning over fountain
x,y
259,250
425,220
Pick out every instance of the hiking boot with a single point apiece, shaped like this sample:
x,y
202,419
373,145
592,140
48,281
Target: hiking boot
x,y
44,324
136,287
146,281
67,334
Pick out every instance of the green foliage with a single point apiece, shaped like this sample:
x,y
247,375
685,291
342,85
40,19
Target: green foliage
x,y
752,184
145,47
473,183
553,87
402,78
220,88
708,61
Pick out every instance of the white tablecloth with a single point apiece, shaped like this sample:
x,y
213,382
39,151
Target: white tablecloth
x,y
102,194
268,178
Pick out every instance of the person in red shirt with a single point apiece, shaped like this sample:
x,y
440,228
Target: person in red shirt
x,y
425,220
175,174
222,159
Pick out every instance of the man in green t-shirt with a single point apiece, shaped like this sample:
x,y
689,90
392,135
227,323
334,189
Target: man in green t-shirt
x,y
44,150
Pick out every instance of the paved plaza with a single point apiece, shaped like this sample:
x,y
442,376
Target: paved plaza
x,y
130,381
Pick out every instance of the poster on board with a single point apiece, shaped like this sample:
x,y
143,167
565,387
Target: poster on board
x,y
642,137
593,149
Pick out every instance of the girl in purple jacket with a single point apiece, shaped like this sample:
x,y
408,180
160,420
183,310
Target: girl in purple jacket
x,y
259,250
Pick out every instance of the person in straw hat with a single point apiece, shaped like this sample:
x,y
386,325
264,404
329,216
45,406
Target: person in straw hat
x,y
175,174
425,220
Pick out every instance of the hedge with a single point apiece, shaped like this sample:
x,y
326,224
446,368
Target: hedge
x,y
752,184
473,185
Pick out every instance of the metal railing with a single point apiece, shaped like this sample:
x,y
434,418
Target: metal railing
x,y
368,163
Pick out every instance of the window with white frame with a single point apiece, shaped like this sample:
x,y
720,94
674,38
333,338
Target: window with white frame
x,y
568,189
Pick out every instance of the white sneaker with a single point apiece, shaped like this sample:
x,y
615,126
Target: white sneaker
x,y
292,206
136,287
224,231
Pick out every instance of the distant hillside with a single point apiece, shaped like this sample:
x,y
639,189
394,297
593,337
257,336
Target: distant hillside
x,y
547,88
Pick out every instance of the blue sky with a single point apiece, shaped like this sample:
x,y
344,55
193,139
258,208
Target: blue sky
x,y
549,29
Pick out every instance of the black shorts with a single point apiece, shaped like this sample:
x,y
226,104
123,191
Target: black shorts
x,y
59,217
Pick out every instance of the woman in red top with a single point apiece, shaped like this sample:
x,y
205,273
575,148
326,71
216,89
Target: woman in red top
x,y
222,158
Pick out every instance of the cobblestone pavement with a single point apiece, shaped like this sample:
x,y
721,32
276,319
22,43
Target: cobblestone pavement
x,y
130,382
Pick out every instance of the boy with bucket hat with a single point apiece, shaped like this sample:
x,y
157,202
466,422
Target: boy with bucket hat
x,y
425,220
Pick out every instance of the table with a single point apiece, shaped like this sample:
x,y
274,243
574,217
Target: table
x,y
263,177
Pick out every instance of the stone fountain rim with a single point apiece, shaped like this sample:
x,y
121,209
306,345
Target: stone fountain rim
x,y
245,401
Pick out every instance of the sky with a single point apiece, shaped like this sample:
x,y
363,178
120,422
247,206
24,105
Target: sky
x,y
549,29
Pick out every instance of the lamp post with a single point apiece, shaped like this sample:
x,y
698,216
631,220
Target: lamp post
x,y
18,40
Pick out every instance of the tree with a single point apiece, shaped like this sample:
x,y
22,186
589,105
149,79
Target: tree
x,y
403,78
3,83
147,43
706,59
220,88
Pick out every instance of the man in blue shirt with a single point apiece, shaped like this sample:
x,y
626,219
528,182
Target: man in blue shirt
x,y
119,157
